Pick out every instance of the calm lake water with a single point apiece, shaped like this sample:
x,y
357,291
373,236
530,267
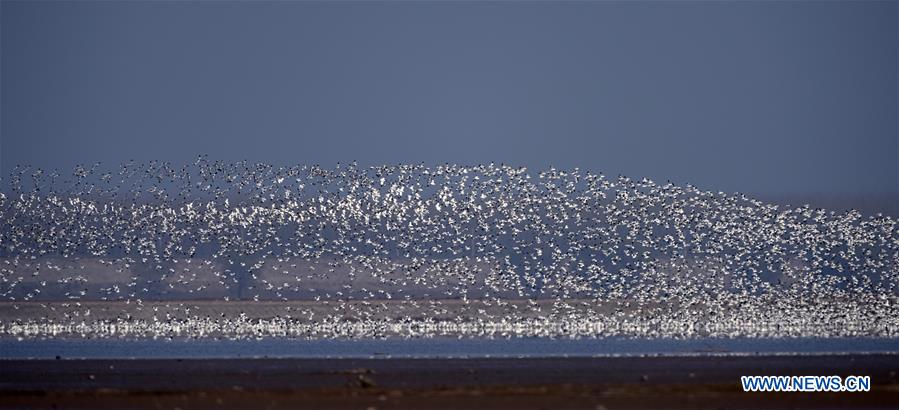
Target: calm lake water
x,y
433,348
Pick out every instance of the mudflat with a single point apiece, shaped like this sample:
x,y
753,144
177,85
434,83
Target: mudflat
x,y
590,383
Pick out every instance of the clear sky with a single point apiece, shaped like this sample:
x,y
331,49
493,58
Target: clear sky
x,y
762,97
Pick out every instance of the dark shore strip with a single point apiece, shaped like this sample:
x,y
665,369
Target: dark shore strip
x,y
623,382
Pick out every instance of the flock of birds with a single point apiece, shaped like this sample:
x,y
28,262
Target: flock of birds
x,y
413,250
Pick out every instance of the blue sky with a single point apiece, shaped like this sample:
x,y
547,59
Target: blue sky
x,y
785,98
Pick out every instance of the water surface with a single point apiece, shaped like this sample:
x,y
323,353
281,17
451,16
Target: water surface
x,y
434,348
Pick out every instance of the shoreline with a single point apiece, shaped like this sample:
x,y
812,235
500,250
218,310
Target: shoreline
x,y
592,383
437,318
